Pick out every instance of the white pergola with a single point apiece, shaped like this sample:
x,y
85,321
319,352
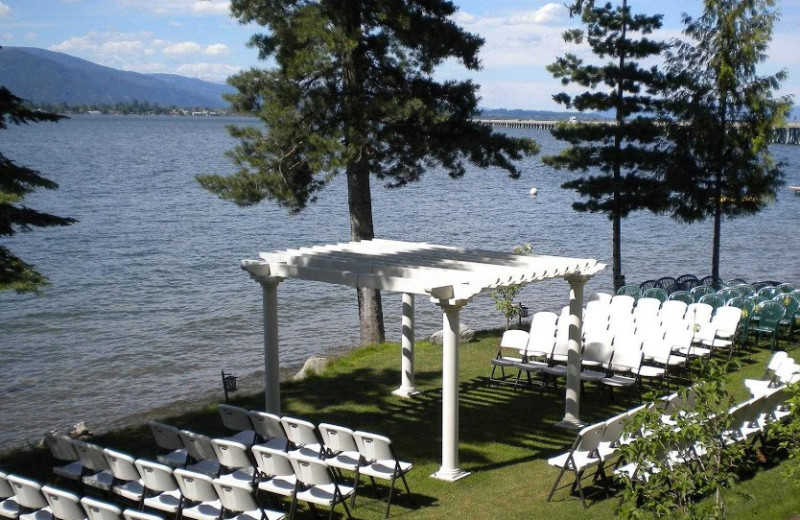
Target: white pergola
x,y
451,277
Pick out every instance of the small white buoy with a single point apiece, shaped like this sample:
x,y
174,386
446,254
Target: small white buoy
x,y
534,192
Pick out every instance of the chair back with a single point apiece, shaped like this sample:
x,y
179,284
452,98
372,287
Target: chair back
x,y
301,432
682,296
235,496
589,438
91,456
627,354
167,437
542,334
700,291
231,454
374,447
63,504
28,492
337,438
621,304
267,425
699,313
234,418
198,446
790,304
512,339
688,281
672,310
61,446
6,491
631,290
122,465
195,486
646,307
769,313
769,292
666,282
714,300
98,510
787,288
311,471
597,349
726,320
155,476
655,292
729,293
272,462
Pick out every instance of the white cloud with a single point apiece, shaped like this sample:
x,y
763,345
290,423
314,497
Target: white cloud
x,y
183,49
179,7
216,49
211,7
548,14
216,72
4,10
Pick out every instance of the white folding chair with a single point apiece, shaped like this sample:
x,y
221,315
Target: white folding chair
x,y
99,510
236,421
9,507
626,364
596,356
238,498
380,462
341,449
302,437
234,461
32,503
581,457
317,485
269,430
63,504
202,457
200,499
161,491
511,344
171,448
96,472
63,450
275,471
127,481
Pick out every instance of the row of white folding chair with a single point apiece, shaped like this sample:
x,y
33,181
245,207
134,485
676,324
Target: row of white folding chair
x,y
26,499
781,371
595,447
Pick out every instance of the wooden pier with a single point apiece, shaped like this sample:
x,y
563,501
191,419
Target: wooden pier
x,y
789,134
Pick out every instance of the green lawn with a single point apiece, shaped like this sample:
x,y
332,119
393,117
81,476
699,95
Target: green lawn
x,y
506,436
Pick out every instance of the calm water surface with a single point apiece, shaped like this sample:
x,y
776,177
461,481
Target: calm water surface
x,y
148,302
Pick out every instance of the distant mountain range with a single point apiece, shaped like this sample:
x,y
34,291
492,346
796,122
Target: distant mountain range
x,y
41,76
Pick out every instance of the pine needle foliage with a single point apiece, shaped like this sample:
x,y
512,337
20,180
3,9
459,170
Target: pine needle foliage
x,y
618,162
17,181
721,113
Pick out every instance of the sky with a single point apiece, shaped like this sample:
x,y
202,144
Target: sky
x,y
198,38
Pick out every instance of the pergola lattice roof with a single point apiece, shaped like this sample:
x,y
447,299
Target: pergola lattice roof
x,y
442,272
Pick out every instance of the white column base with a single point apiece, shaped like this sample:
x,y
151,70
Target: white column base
x,y
570,424
405,392
450,475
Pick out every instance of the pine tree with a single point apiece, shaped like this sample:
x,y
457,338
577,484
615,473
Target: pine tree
x,y
16,182
723,114
618,161
350,90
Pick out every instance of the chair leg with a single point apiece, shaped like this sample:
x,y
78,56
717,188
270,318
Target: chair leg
x,y
389,500
555,485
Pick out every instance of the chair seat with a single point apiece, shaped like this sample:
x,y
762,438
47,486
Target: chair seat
x,y
168,501
129,490
204,511
385,469
244,475
71,471
256,515
39,514
593,376
206,467
102,480
651,371
9,508
324,494
580,461
556,370
619,381
175,459
347,460
532,366
284,485
246,437
277,443
505,361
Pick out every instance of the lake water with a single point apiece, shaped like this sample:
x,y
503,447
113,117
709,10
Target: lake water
x,y
148,301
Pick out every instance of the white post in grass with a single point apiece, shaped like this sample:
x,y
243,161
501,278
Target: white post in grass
x,y
272,377
572,399
449,470
407,387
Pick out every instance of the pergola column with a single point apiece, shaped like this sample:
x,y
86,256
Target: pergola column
x,y
407,387
272,376
450,378
572,399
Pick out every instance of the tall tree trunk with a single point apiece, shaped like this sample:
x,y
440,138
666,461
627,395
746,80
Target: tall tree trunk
x,y
359,196
616,240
